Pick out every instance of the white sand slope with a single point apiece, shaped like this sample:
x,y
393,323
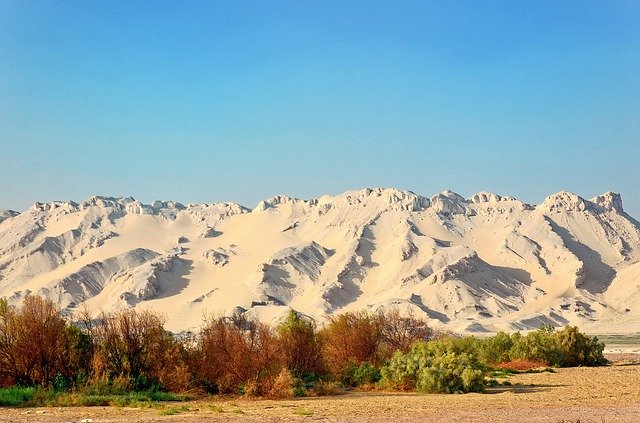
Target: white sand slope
x,y
481,264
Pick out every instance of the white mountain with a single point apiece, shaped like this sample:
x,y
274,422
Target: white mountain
x,y
486,263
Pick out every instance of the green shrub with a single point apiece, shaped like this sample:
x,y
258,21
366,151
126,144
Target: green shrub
x,y
362,374
497,349
15,396
443,366
565,348
579,350
539,345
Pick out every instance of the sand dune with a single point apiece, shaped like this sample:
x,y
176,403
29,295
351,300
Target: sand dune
x,y
481,264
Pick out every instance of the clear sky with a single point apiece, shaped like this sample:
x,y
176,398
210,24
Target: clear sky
x,y
240,100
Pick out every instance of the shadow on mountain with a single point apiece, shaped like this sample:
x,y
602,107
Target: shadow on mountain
x,y
598,275
174,282
520,275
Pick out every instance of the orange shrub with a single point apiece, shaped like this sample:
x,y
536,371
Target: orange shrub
x,y
351,337
134,345
36,343
238,353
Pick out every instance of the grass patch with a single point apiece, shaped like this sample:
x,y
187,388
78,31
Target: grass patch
x,y
215,408
303,411
131,399
544,370
502,372
495,383
171,411
16,396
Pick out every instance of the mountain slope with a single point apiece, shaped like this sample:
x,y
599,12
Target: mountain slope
x,y
485,263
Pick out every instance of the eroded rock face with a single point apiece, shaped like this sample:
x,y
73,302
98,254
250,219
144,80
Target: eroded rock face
x,y
485,197
218,256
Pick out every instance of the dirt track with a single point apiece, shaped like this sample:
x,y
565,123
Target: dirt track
x,y
606,394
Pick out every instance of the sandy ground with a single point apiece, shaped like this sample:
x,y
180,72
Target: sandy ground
x,y
606,394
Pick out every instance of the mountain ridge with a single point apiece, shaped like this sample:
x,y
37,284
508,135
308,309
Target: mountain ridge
x,y
484,263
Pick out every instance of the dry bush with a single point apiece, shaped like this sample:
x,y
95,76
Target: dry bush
x,y
134,345
399,332
373,338
351,338
36,343
281,387
238,353
322,389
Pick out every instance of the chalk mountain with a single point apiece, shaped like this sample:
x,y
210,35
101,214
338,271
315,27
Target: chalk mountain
x,y
484,263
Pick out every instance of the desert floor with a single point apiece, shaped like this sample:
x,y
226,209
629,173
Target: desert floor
x,y
605,394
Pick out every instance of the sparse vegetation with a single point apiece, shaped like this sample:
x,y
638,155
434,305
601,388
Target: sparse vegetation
x,y
174,410
129,358
303,411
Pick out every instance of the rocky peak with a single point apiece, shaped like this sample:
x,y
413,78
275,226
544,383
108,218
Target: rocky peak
x,y
103,202
387,198
609,201
564,201
173,205
275,201
65,206
448,202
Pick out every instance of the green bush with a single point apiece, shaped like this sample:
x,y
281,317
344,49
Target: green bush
x,y
539,345
578,349
565,348
362,374
443,366
497,349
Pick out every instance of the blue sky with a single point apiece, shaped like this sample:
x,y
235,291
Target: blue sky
x,y
238,100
